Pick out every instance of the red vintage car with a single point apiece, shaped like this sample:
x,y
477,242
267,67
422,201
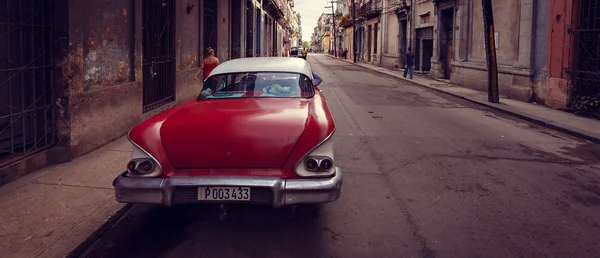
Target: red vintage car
x,y
260,133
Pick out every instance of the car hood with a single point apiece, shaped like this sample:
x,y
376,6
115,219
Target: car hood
x,y
234,133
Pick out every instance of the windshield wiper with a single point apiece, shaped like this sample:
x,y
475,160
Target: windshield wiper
x,y
223,93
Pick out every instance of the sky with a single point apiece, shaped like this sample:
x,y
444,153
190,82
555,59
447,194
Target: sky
x,y
310,10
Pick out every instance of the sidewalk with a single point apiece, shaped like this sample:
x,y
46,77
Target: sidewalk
x,y
52,211
586,128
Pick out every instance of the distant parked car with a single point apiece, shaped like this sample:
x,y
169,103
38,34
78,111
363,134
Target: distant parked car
x,y
294,52
259,133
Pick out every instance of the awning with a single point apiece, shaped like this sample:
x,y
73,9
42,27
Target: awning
x,y
425,14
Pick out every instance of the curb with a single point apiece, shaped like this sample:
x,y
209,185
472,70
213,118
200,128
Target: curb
x,y
507,110
98,233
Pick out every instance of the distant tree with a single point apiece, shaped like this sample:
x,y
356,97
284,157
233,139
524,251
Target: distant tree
x,y
305,44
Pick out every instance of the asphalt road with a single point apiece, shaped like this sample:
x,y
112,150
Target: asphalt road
x,y
426,175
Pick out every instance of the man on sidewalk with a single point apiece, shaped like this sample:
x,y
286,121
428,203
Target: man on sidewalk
x,y
410,58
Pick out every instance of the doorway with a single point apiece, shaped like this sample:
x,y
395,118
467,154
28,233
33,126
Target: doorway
x,y
424,49
158,53
236,29
375,27
210,25
369,41
402,41
27,113
249,28
446,40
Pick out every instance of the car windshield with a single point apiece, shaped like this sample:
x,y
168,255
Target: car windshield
x,y
257,85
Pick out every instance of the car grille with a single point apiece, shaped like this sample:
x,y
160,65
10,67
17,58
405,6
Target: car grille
x,y
185,195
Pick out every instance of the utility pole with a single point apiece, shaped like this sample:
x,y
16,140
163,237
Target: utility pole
x,y
490,45
334,36
354,29
333,28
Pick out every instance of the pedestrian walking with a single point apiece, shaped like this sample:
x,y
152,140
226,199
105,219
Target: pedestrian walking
x,y
410,59
208,64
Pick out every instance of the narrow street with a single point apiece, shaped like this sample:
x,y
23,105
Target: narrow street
x,y
426,175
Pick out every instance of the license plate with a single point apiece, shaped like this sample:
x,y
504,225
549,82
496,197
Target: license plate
x,y
224,193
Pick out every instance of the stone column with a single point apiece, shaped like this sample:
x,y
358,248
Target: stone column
x,y
436,67
382,31
462,29
525,34
223,34
521,87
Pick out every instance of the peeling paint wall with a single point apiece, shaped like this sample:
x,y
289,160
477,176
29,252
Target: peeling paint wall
x,y
108,28
188,35
98,70
188,57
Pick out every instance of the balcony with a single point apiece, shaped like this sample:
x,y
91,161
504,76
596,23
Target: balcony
x,y
346,21
274,7
369,10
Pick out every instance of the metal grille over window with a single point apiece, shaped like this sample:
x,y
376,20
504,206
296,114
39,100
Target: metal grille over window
x,y
158,53
26,78
586,67
249,28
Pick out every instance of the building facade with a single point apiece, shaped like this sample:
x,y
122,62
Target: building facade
x,y
573,63
459,53
369,18
544,49
291,29
94,69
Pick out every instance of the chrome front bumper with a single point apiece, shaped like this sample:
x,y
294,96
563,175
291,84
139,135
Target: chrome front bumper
x,y
265,190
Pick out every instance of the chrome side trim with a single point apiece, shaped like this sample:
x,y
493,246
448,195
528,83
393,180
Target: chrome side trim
x,y
313,149
149,155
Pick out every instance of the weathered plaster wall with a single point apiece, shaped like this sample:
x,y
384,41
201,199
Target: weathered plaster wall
x,y
560,51
506,21
393,30
187,56
390,58
223,27
102,93
104,62
107,43
422,7
514,55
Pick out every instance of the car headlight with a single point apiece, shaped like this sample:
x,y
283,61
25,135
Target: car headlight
x,y
142,164
319,162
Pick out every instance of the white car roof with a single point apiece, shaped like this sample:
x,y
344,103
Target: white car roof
x,y
264,64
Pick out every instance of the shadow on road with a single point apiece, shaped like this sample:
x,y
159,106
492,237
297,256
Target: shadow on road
x,y
197,231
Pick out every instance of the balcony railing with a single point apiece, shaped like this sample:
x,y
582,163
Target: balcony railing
x,y
346,21
369,10
274,7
